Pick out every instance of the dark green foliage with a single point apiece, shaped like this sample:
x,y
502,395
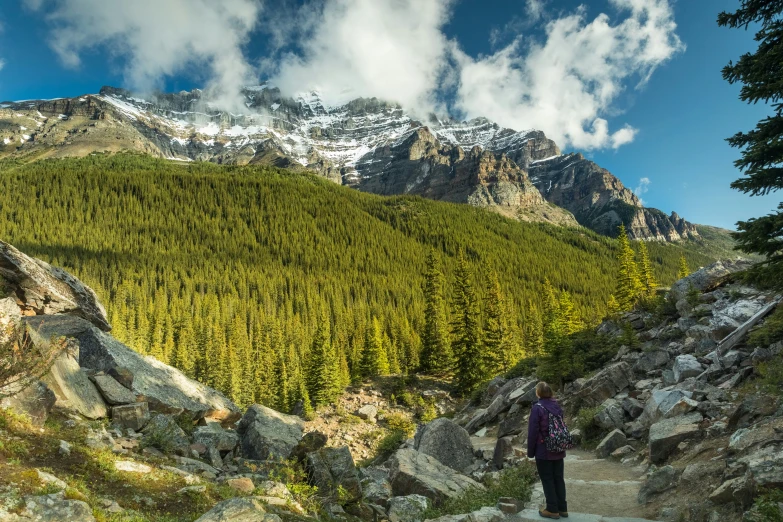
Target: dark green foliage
x,y
436,355
227,272
767,507
469,369
499,352
761,76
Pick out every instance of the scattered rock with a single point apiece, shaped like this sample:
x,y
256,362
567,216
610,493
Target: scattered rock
x,y
503,449
246,509
766,466
666,434
35,401
134,416
70,384
132,467
446,441
214,436
615,440
739,490
241,484
64,449
310,442
122,375
658,481
412,472
686,366
54,508
163,432
50,480
610,416
265,433
605,384
113,392
367,412
409,508
332,469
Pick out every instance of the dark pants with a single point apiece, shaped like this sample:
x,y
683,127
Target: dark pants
x,y
551,473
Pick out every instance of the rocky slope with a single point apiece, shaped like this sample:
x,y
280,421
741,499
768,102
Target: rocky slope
x,y
366,143
682,409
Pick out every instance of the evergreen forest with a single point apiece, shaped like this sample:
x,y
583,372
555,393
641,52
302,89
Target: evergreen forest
x,y
277,287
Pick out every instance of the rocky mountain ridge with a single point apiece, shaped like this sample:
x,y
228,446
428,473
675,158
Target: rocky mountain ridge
x,y
367,144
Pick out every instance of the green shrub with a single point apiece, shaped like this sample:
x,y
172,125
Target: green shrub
x,y
513,482
771,373
426,410
767,507
584,420
401,423
693,296
770,332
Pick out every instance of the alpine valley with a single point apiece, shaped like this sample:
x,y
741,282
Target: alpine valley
x,y
367,144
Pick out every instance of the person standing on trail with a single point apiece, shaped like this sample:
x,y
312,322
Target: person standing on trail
x,y
547,442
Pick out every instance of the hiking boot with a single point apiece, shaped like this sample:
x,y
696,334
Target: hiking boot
x,y
548,514
564,514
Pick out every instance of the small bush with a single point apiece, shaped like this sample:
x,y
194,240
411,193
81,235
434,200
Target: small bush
x,y
767,507
427,411
693,296
584,420
771,373
399,422
770,332
161,438
513,482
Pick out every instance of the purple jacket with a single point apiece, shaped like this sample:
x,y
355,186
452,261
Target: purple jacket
x,y
538,428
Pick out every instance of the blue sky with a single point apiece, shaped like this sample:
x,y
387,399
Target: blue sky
x,y
669,129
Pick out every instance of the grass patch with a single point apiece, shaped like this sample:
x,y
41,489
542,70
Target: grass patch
x,y
585,421
767,507
516,482
770,332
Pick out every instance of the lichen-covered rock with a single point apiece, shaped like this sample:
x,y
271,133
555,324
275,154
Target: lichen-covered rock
x,y
409,508
446,441
134,416
36,401
166,389
666,434
412,472
686,366
610,416
739,490
112,391
214,436
55,508
708,277
163,432
248,509
616,439
265,433
332,470
658,481
310,442
766,466
72,387
605,384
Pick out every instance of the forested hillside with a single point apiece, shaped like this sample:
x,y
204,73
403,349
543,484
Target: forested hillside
x,y
263,283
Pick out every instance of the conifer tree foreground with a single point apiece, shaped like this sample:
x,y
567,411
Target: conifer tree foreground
x,y
761,76
682,269
646,271
497,336
629,283
436,355
469,369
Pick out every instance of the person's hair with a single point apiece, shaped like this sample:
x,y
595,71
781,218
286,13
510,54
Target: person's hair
x,y
543,390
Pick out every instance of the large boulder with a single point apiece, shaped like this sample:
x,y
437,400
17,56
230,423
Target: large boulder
x,y
167,390
515,422
49,290
610,416
72,387
615,440
35,400
247,509
667,434
214,436
265,433
514,391
412,472
652,360
333,470
163,432
10,315
766,465
134,416
446,441
112,391
686,366
707,278
660,403
605,384
739,490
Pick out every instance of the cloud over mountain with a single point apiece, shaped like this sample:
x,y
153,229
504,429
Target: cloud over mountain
x,y
565,81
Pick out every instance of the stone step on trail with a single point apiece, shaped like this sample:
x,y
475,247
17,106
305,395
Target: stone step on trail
x,y
531,515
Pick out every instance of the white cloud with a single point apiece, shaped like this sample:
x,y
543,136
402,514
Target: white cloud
x,y
566,85
391,49
642,188
2,64
161,38
535,9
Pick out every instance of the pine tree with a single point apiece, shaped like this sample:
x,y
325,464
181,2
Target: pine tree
x,y
762,155
613,309
184,353
497,334
534,331
629,284
466,344
321,373
646,271
375,361
436,355
683,270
